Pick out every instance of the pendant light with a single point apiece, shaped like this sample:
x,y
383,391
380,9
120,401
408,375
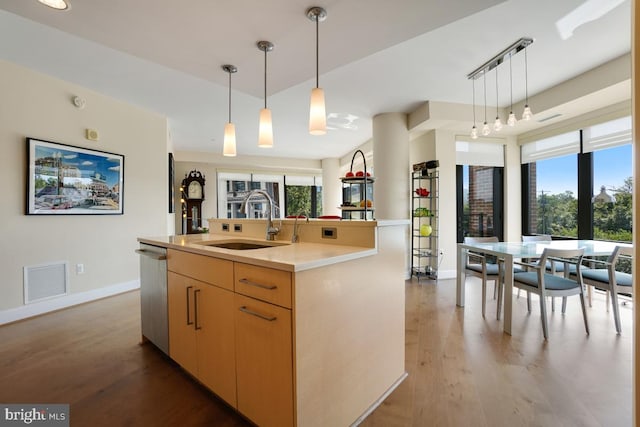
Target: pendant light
x,y
497,125
317,111
474,129
511,121
526,114
229,147
56,4
485,127
265,128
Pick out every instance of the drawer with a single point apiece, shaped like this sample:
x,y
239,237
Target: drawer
x,y
263,283
218,272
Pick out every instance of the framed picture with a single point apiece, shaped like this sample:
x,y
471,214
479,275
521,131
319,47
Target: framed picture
x,y
172,196
67,180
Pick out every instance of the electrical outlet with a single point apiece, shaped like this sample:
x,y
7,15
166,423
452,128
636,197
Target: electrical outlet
x,y
79,268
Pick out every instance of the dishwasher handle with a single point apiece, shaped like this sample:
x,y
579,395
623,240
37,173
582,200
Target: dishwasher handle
x,y
151,254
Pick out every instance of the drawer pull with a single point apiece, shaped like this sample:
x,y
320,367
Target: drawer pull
x,y
244,309
257,285
195,303
189,322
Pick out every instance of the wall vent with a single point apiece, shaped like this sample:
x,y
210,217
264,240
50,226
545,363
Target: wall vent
x,y
45,281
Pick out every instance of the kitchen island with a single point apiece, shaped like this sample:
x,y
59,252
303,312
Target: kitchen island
x,y
297,334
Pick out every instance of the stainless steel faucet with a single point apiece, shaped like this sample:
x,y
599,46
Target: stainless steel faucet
x,y
294,237
271,230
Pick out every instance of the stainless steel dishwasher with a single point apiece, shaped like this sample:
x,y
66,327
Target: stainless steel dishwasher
x,y
153,295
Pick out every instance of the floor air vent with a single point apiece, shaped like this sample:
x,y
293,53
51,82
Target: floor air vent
x,y
45,281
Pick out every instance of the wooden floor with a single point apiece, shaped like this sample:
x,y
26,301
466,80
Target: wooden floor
x,y
463,371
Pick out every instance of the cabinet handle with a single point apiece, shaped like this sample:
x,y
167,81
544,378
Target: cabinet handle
x,y
151,254
257,285
244,309
195,303
189,322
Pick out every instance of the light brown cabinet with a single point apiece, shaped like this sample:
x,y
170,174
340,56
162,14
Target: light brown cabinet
x,y
264,365
238,344
201,329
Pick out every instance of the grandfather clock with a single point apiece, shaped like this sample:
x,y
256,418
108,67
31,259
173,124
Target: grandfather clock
x,y
193,195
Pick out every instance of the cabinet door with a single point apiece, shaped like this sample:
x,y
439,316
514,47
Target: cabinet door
x,y
264,362
182,333
216,341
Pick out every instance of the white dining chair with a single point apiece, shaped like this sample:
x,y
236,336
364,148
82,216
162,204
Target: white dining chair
x,y
482,267
546,284
609,279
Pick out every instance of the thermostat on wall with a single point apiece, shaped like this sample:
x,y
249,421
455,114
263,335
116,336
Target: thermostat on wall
x,y
92,134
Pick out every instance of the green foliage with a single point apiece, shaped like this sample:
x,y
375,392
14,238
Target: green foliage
x,y
558,214
298,199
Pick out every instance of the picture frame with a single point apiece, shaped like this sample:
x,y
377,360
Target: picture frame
x,y
172,197
68,180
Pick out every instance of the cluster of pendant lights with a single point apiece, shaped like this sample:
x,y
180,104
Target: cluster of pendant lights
x,y
317,111
482,72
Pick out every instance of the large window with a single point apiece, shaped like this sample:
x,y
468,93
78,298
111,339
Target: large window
x,y
290,194
579,184
479,189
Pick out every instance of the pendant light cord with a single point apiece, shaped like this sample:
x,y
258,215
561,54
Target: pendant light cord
x,y
497,115
484,75
265,79
511,83
318,52
473,85
526,78
229,97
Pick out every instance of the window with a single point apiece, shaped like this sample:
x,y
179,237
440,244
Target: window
x,y
479,189
553,186
303,195
291,194
234,187
579,184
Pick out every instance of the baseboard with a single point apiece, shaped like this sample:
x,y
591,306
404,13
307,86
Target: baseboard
x,y
36,309
381,399
447,274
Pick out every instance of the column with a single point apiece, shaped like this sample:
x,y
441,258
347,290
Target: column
x,y
392,188
331,187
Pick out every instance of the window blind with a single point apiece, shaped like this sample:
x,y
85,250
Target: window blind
x,y
607,135
555,146
479,153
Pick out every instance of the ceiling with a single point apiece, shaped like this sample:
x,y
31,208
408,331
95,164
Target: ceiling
x,y
376,56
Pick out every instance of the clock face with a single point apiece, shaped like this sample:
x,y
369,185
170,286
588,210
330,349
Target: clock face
x,y
195,190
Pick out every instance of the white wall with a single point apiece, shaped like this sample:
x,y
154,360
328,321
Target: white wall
x,y
35,105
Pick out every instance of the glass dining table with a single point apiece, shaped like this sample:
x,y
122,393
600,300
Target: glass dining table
x,y
508,251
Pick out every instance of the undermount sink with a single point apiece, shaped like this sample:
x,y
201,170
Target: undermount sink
x,y
242,245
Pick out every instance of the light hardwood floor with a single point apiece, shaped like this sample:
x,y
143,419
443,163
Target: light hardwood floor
x,y
463,371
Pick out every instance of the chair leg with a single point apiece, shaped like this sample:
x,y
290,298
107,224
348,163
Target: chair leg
x,y
495,289
584,312
500,298
484,295
543,316
590,296
529,301
518,294
564,304
607,304
553,304
616,311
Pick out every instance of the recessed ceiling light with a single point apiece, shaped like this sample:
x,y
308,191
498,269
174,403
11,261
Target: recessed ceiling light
x,y
56,4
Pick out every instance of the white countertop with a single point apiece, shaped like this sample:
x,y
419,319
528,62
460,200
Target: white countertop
x,y
289,257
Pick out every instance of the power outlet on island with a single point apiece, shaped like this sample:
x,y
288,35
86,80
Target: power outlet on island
x,y
329,233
